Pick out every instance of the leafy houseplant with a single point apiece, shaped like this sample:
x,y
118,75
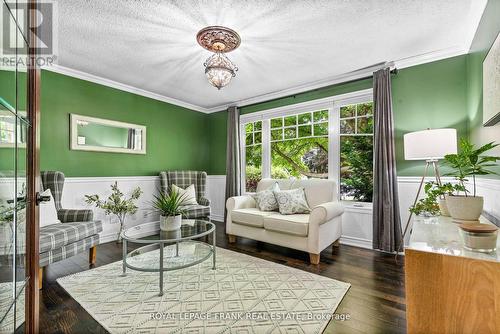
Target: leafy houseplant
x,y
469,162
169,205
427,206
434,202
439,192
116,204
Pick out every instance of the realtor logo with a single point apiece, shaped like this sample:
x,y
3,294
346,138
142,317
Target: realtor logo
x,y
16,32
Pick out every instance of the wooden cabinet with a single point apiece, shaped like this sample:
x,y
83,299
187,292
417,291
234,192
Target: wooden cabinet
x,y
449,289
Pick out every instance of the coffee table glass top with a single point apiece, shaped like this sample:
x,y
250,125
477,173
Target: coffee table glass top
x,y
149,233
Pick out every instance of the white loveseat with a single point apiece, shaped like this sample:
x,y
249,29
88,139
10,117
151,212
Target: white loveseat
x,y
310,232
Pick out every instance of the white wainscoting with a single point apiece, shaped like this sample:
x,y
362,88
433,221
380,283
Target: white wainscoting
x,y
216,193
75,189
490,190
356,225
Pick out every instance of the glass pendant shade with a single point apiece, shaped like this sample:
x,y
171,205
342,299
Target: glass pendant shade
x,y
219,70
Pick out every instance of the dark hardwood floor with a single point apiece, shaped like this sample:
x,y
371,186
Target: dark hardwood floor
x,y
375,301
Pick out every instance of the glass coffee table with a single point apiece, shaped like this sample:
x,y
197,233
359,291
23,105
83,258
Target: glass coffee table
x,y
175,249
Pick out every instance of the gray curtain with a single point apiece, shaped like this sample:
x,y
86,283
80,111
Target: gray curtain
x,y
233,165
386,217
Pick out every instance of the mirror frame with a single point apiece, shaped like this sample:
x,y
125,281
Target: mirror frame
x,y
74,135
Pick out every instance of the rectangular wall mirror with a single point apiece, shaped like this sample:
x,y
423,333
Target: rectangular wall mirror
x,y
103,135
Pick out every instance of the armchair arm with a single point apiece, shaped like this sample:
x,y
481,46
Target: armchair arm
x,y
75,215
326,212
240,202
204,201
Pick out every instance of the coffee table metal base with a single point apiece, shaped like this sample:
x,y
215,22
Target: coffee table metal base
x,y
161,268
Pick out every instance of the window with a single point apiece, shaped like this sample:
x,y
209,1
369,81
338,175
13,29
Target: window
x,y
299,145
356,152
330,138
253,155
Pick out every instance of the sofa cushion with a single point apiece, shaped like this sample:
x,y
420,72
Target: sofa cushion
x,y
58,235
318,191
291,224
250,216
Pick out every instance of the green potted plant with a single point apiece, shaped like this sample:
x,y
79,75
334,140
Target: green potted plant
x,y
440,192
427,206
117,205
468,162
169,205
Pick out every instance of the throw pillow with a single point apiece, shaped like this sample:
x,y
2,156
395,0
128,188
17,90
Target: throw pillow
x,y
188,194
48,211
292,201
265,199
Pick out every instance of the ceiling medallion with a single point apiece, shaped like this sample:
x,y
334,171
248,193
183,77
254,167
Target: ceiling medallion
x,y
220,40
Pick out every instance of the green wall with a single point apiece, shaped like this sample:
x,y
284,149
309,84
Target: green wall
x,y
487,31
431,95
176,136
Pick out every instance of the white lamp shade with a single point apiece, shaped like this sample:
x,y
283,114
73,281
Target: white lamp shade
x,y
430,144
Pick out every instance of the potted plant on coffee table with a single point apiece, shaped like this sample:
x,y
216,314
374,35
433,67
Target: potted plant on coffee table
x,y
468,162
169,205
117,205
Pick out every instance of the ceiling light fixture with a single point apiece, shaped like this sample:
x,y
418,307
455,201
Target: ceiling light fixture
x,y
220,40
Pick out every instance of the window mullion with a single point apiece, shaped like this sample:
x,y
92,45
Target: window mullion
x,y
243,158
334,145
266,148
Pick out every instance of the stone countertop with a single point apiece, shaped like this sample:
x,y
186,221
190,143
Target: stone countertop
x,y
441,235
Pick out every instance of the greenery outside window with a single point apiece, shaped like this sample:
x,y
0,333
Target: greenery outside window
x,y
356,152
328,138
299,145
253,155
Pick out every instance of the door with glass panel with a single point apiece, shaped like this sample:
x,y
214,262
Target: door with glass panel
x,y
14,127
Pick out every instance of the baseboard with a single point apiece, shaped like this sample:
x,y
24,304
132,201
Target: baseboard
x,y
217,218
138,234
357,242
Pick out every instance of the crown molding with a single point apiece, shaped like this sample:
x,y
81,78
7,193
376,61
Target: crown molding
x,y
117,85
351,76
355,75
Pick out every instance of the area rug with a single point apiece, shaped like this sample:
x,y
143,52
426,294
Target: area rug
x,y
7,310
244,294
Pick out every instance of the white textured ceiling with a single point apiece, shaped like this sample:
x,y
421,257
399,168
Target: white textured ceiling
x,y
151,45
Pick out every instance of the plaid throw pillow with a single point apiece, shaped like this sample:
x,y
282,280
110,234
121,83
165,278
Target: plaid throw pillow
x,y
266,201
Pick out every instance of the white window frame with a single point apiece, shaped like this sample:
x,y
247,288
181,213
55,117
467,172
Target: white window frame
x,y
332,104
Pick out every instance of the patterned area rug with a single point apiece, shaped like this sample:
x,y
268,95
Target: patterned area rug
x,y
7,309
244,294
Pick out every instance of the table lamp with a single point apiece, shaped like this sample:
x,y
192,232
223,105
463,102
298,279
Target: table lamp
x,y
430,145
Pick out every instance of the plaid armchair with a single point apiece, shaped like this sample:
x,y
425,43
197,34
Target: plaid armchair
x,y
184,179
77,233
